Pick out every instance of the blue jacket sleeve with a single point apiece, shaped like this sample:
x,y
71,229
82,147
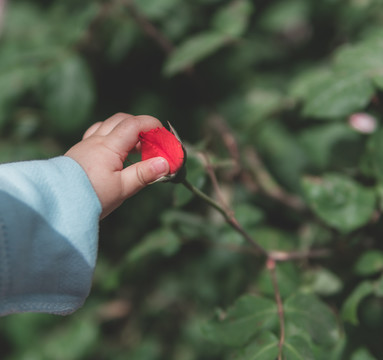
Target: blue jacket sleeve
x,y
49,216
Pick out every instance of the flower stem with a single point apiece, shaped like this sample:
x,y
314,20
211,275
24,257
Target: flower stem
x,y
229,217
205,198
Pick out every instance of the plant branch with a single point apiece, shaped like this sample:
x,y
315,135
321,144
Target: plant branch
x,y
149,29
229,217
227,213
219,124
268,185
271,266
210,170
281,256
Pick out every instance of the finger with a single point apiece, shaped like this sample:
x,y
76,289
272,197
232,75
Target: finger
x,y
139,175
91,130
124,136
109,124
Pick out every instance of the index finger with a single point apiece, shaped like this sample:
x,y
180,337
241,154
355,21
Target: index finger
x,y
124,136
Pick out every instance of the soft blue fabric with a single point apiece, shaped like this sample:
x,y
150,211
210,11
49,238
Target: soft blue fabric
x,y
49,216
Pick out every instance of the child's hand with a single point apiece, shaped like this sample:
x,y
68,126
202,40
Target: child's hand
x,y
102,152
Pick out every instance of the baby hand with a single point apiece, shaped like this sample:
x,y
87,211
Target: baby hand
x,y
102,152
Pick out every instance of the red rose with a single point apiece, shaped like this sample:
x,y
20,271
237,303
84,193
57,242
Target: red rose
x,y
161,142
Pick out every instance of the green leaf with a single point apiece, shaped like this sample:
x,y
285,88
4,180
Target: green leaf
x,y
338,95
15,81
155,10
364,59
350,306
186,224
233,19
297,348
283,154
369,263
285,15
248,215
307,80
339,201
322,282
322,142
334,353
273,239
308,314
80,21
252,107
125,33
194,50
362,354
21,18
259,104
249,316
264,347
361,58
74,342
68,93
288,277
162,241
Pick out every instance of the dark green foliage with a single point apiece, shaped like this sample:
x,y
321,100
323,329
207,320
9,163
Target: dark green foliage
x,y
271,95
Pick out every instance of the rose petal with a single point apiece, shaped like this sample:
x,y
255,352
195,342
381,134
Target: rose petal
x,y
161,142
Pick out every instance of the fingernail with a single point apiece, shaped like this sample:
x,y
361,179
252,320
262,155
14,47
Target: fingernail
x,y
161,166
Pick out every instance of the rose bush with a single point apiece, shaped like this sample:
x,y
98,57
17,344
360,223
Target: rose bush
x,y
280,103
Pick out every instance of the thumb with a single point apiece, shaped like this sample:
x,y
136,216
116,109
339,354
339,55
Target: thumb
x,y
137,176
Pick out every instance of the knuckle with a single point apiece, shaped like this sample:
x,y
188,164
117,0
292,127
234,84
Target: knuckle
x,y
141,176
120,115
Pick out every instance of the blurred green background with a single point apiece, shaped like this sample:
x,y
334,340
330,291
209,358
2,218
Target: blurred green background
x,y
285,98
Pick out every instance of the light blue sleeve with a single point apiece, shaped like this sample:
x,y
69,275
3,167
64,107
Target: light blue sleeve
x,y
49,216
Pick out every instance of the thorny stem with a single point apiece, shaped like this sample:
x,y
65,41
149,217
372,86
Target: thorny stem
x,y
230,219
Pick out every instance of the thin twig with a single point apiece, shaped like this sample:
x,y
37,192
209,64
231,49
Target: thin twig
x,y
268,185
149,28
281,256
219,124
214,181
271,266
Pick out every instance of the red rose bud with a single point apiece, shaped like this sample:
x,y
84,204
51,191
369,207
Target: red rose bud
x,y
162,142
